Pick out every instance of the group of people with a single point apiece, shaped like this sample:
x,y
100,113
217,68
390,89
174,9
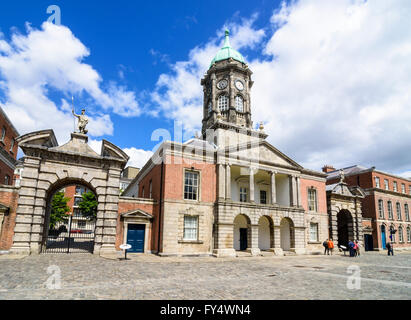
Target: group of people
x,y
328,246
353,246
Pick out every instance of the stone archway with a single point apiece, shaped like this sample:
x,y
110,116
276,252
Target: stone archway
x,y
345,228
48,166
265,233
287,234
76,234
242,232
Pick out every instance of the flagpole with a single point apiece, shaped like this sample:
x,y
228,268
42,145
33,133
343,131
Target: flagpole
x,y
74,118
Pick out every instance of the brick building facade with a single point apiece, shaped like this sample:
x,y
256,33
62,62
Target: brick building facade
x,y
8,149
386,203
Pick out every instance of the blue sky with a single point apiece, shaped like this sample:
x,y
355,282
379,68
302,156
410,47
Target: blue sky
x,y
330,78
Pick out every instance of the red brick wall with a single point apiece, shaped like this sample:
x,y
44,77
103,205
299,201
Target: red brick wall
x,y
6,170
174,178
155,177
8,197
321,194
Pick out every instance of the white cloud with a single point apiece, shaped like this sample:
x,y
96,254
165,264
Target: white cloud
x,y
50,59
331,84
335,88
179,94
138,157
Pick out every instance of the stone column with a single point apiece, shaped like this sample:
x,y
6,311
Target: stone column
x,y
298,191
277,242
224,234
228,182
252,200
221,182
293,191
109,221
273,190
253,240
25,209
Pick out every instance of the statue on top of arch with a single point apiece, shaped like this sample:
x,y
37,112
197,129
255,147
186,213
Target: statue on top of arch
x,y
82,121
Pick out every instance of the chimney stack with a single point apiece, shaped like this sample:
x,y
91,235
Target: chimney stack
x,y
328,168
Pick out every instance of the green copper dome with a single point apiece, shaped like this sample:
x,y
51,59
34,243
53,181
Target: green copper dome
x,y
226,52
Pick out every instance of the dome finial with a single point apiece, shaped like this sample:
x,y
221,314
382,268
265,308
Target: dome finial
x,y
227,39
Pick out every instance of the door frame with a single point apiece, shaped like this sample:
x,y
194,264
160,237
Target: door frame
x,y
145,237
242,232
146,231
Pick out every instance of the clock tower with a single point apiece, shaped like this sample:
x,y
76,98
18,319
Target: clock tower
x,y
227,104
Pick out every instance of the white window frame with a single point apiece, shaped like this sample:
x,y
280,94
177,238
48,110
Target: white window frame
x,y
223,103
407,212
12,145
196,188
377,182
386,184
390,210
243,191
395,186
151,189
192,227
400,234
398,209
3,134
403,188
315,225
381,208
408,234
310,200
239,104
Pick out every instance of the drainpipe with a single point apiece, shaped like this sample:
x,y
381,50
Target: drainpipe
x,y
160,207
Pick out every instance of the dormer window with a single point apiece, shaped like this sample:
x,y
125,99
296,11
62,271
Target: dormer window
x,y
223,103
239,104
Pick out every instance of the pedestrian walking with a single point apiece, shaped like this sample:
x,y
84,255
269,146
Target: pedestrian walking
x,y
390,248
330,246
325,245
357,250
351,248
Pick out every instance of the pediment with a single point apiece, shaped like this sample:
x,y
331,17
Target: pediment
x,y
261,151
110,150
136,214
44,138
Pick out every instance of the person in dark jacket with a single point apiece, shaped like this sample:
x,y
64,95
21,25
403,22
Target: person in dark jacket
x,y
325,245
351,248
390,248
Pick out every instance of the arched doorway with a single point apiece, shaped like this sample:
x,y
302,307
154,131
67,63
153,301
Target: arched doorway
x,y
70,221
241,232
265,233
287,234
344,227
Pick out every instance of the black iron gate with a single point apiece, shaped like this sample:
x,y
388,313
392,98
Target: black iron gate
x,y
71,236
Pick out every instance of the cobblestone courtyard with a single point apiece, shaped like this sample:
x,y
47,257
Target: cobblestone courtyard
x,y
152,277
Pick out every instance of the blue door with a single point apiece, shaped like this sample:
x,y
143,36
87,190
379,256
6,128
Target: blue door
x,y
383,237
135,237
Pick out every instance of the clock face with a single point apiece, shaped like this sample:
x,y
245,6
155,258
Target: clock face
x,y
222,84
239,85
